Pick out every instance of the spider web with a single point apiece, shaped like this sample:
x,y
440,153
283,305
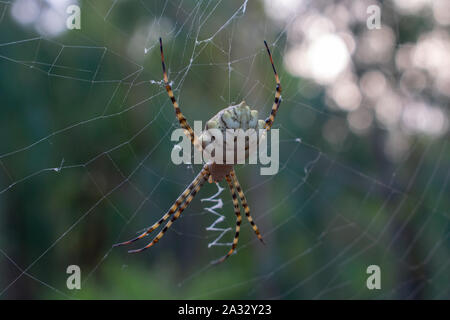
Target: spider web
x,y
84,159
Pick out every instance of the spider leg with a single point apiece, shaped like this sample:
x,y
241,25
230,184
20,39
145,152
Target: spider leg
x,y
237,211
176,215
245,205
276,103
181,118
204,173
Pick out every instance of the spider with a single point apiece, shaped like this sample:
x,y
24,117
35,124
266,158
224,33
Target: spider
x,y
232,117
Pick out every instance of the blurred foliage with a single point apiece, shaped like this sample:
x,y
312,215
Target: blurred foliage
x,y
85,163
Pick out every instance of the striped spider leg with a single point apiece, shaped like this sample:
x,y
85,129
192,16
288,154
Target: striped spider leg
x,y
186,197
181,118
234,185
277,101
245,205
237,211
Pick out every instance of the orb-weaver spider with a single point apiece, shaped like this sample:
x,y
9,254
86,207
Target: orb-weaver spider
x,y
232,117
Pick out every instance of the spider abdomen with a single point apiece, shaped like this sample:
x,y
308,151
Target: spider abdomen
x,y
227,122
239,116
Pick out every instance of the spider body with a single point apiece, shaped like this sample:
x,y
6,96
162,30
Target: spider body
x,y
239,116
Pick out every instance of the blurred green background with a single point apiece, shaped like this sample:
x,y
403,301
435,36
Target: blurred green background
x,y
85,127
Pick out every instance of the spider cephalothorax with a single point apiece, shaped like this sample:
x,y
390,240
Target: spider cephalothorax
x,y
218,172
233,117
